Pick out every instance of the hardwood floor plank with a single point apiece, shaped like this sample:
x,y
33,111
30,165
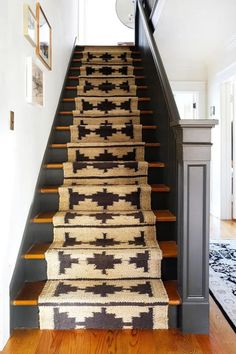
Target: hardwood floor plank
x,y
221,340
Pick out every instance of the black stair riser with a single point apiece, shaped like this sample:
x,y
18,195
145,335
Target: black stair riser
x,y
36,269
54,177
70,106
28,316
43,233
152,154
50,201
62,137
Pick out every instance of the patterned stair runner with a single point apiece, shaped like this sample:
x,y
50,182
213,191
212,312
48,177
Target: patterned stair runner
x,y
104,265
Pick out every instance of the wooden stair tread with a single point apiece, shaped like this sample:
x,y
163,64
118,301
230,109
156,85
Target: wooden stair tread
x,y
64,146
169,250
52,166
135,67
70,113
31,291
140,99
79,60
67,127
99,50
155,188
161,215
75,87
138,77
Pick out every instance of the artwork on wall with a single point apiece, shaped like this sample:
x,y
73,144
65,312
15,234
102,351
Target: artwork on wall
x,y
44,38
34,83
30,25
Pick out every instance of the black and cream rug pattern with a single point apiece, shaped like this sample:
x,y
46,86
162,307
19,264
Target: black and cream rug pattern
x,y
223,276
104,265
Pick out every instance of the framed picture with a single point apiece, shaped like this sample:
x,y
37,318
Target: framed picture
x,y
34,83
30,25
44,38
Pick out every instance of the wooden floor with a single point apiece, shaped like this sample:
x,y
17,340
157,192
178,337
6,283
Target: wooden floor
x,y
222,229
221,340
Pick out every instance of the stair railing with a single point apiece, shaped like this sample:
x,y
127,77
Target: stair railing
x,y
187,150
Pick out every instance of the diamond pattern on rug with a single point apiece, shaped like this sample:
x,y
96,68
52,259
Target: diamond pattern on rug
x,y
103,106
99,198
90,120
103,304
107,57
106,70
104,264
105,151
105,172
107,87
106,132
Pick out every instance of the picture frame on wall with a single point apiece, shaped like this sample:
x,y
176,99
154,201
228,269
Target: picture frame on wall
x,y
30,25
44,37
34,83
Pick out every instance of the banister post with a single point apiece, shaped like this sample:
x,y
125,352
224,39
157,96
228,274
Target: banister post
x,y
193,140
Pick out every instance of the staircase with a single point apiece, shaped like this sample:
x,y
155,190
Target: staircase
x,y
100,249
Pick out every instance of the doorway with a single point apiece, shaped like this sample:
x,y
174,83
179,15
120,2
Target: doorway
x,y
187,103
228,150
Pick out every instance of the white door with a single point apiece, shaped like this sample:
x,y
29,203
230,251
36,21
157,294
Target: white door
x,y
228,150
233,144
187,103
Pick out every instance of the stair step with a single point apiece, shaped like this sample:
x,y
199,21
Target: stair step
x,y
30,292
75,87
79,67
169,250
81,51
161,216
155,188
144,127
53,166
64,146
134,60
73,77
140,99
70,113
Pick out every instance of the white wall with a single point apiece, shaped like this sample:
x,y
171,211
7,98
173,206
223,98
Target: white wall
x,y
99,24
22,150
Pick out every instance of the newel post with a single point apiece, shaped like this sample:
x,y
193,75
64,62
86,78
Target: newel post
x,y
193,139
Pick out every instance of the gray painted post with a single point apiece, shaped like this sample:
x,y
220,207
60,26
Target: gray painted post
x,y
193,139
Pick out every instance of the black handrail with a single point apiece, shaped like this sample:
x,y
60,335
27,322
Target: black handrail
x,y
167,91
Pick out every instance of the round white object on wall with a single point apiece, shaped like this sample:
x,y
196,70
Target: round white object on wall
x,y
125,11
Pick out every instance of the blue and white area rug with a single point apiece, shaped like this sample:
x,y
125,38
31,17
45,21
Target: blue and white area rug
x,y
223,276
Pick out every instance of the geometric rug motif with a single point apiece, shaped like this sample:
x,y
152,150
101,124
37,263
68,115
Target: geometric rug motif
x,y
105,106
106,70
120,151
107,132
95,263
83,120
107,57
107,87
105,304
222,279
102,197
105,172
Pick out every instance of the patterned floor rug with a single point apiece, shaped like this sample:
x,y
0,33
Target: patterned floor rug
x,y
223,277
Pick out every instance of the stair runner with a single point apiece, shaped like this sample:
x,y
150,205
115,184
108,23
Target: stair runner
x,y
104,265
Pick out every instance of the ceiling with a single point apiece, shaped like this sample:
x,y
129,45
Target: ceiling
x,y
196,30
